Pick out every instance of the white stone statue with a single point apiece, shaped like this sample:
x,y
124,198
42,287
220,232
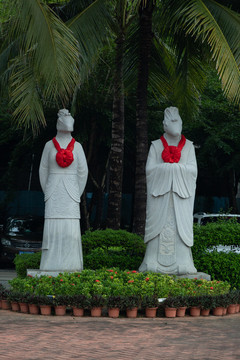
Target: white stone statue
x,y
171,172
63,174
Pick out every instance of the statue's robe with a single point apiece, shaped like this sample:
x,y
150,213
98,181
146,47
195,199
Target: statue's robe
x,y
169,216
62,187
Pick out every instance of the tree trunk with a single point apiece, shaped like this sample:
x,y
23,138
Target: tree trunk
x,y
139,215
117,146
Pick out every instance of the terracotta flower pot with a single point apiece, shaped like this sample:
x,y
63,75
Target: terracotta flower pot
x,y
132,313
231,309
33,309
113,312
151,312
24,307
15,306
77,311
96,311
224,311
205,312
237,308
45,309
60,310
170,312
195,311
218,311
181,311
5,304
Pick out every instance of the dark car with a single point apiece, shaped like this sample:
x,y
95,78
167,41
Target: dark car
x,y
21,235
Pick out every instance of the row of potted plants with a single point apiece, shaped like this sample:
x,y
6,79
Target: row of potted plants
x,y
173,306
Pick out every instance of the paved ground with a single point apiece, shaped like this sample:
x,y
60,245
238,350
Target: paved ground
x,y
36,337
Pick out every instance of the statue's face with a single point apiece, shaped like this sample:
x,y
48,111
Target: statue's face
x,y
172,123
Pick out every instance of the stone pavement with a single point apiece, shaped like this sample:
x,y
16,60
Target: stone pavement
x,y
37,337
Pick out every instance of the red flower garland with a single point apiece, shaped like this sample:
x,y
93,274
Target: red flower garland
x,y
64,157
172,154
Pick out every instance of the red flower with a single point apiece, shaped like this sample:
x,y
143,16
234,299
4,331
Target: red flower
x,y
97,280
111,277
211,288
134,271
130,281
110,270
49,277
115,272
73,284
78,275
147,279
128,272
195,278
29,275
61,279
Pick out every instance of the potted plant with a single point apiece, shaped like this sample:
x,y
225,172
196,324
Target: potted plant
x,y
206,304
60,303
131,304
150,304
14,298
96,303
233,301
170,305
218,303
45,303
23,302
4,297
194,303
33,304
79,302
114,304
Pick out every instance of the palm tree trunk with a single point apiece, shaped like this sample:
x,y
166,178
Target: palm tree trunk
x,y
117,146
139,211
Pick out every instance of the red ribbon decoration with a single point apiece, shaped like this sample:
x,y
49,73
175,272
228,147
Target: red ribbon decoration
x,y
64,157
172,154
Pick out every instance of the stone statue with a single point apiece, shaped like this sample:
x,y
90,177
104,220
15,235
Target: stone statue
x,y
63,174
171,172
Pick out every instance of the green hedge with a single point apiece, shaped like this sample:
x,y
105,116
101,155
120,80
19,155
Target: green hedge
x,y
220,265
101,248
112,248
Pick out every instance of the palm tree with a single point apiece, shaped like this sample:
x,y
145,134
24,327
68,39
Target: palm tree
x,y
124,14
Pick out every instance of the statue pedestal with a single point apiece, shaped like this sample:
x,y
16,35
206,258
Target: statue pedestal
x,y
198,275
38,273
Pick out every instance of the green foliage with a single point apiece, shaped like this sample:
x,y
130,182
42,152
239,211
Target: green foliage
x,y
220,265
26,261
112,248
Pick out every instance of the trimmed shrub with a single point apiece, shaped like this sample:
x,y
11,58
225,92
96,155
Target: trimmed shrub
x,y
26,261
112,248
220,265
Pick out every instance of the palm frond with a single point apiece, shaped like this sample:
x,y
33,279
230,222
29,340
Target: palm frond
x,y
50,48
90,29
26,97
220,28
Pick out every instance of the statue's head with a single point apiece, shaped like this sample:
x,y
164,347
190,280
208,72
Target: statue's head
x,y
65,121
172,122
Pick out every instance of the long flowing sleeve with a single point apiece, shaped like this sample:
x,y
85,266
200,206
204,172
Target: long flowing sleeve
x,y
82,170
43,169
